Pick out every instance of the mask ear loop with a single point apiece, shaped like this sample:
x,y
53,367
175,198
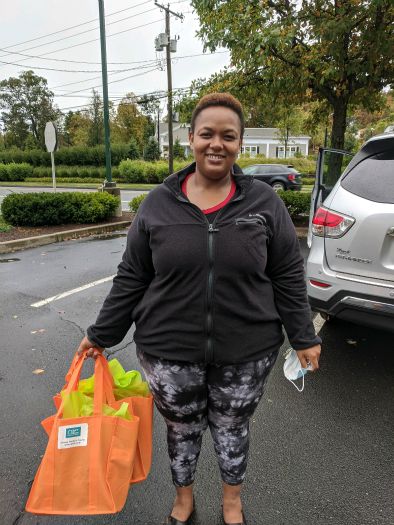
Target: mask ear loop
x,y
303,383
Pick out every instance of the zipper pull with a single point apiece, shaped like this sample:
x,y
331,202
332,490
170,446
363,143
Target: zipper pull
x,y
211,229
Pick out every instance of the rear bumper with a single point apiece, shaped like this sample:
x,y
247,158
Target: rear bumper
x,y
361,309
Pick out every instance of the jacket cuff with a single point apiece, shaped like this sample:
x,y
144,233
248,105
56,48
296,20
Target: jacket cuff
x,y
307,344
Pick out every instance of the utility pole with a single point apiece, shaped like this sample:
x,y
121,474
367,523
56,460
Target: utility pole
x,y
170,46
108,173
108,185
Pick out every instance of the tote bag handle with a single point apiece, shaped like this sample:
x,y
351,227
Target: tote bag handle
x,y
102,382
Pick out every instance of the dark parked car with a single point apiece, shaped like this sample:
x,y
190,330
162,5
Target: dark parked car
x,y
279,176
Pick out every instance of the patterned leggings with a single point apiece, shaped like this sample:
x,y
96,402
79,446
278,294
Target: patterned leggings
x,y
191,396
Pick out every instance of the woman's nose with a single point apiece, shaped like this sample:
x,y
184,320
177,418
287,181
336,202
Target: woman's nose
x,y
216,142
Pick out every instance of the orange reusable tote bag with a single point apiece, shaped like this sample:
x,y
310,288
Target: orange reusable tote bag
x,y
88,462
142,407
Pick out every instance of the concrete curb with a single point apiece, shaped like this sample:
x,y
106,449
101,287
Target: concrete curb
x,y
41,240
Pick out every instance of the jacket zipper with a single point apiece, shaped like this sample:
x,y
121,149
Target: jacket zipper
x,y
209,353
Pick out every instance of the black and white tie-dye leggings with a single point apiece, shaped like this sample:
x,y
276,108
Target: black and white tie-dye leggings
x,y
191,396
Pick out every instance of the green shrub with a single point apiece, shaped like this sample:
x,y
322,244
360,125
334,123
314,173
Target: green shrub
x,y
308,181
81,172
132,170
15,172
297,203
134,204
64,180
3,172
47,209
71,156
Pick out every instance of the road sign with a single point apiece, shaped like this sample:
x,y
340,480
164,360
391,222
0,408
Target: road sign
x,y
50,136
51,143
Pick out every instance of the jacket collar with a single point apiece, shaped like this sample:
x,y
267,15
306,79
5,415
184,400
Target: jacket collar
x,y
174,181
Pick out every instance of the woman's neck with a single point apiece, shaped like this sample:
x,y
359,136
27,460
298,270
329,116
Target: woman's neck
x,y
201,182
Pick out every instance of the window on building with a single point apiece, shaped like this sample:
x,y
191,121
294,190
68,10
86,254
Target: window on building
x,y
290,151
251,150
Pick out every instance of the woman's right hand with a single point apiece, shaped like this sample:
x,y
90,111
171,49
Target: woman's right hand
x,y
93,350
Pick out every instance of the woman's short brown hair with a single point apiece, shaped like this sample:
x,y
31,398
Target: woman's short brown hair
x,y
219,99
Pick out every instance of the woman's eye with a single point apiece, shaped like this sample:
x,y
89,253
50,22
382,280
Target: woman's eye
x,y
229,137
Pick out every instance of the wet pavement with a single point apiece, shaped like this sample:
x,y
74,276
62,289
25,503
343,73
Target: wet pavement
x,y
317,458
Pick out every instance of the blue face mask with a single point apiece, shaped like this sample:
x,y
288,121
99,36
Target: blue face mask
x,y
293,370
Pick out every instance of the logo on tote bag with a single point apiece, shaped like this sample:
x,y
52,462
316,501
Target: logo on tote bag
x,y
72,436
73,432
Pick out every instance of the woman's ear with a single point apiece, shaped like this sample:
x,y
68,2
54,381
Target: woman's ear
x,y
191,137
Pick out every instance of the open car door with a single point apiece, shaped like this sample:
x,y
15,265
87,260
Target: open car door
x,y
330,165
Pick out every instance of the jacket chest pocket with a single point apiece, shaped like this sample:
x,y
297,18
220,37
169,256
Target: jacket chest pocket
x,y
252,233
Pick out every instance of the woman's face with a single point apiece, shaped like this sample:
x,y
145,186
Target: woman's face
x,y
216,141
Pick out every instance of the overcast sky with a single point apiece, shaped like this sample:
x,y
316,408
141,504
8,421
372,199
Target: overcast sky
x,y
26,26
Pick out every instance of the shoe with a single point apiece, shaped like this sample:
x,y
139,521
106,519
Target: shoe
x,y
243,520
173,521
170,520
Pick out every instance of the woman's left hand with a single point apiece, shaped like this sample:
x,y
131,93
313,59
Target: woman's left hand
x,y
310,357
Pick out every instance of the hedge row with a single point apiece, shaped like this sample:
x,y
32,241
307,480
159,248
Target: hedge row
x,y
147,172
48,209
154,172
72,156
297,203
15,172
65,180
81,172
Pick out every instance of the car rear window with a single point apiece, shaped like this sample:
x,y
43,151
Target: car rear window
x,y
277,169
373,178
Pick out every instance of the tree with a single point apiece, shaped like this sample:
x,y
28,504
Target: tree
x,y
179,151
333,51
129,122
77,128
27,106
134,150
96,117
290,122
152,150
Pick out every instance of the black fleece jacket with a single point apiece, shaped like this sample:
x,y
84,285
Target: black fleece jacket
x,y
209,292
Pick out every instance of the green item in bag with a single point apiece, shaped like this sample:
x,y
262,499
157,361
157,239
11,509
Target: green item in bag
x,y
77,404
126,384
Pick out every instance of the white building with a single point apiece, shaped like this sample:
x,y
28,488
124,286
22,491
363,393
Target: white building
x,y
263,141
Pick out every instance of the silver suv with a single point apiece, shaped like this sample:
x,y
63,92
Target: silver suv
x,y
350,268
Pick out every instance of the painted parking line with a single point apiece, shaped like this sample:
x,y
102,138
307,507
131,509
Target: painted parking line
x,y
71,292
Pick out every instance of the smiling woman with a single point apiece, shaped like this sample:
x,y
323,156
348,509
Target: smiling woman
x,y
206,282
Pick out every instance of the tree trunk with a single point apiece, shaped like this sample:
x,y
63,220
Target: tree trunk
x,y
339,124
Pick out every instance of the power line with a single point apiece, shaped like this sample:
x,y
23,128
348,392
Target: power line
x,y
147,65
70,36
157,95
75,26
66,70
97,39
119,80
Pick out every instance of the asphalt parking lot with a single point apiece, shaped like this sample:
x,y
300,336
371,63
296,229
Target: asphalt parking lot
x,y
320,457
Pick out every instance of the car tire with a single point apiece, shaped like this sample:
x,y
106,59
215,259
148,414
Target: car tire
x,y
278,186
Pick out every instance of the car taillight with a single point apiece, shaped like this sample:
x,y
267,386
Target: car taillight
x,y
327,223
319,284
291,176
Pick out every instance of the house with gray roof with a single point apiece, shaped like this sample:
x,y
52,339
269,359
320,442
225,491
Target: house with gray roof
x,y
256,141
